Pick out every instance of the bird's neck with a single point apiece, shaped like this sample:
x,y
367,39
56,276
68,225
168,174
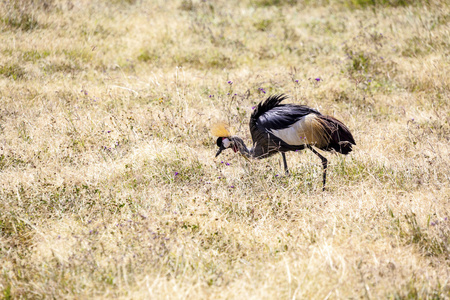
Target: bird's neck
x,y
242,147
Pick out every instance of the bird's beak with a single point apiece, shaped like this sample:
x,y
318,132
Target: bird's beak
x,y
220,151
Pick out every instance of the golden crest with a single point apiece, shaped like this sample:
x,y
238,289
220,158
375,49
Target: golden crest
x,y
220,130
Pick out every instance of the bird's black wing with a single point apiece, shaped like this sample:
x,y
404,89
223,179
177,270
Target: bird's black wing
x,y
267,105
283,116
272,115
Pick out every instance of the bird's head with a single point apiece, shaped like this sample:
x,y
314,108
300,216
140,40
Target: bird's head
x,y
224,140
225,143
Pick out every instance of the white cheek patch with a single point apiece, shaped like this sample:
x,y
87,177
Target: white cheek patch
x,y
226,143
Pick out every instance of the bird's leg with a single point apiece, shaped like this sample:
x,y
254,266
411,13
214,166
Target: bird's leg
x,y
285,163
324,164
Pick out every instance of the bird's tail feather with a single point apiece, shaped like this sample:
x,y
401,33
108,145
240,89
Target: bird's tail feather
x,y
340,137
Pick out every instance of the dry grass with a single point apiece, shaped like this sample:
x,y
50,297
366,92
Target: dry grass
x,y
108,183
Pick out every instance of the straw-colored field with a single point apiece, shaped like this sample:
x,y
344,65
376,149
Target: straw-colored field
x,y
109,187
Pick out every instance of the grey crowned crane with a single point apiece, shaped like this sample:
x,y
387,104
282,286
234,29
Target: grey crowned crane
x,y
277,127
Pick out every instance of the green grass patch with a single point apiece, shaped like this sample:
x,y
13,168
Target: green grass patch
x,y
78,55
263,25
35,55
432,239
62,67
213,58
356,170
268,3
147,55
382,3
180,171
20,20
12,71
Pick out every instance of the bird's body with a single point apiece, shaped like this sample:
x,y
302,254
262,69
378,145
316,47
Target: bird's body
x,y
277,127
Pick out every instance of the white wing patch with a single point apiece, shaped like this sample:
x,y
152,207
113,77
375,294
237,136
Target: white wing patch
x,y
301,132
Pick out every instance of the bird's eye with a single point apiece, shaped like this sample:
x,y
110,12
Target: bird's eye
x,y
226,143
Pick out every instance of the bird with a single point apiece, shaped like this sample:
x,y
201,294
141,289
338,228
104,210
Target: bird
x,y
280,128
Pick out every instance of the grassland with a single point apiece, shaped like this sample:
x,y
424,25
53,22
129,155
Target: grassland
x,y
108,183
